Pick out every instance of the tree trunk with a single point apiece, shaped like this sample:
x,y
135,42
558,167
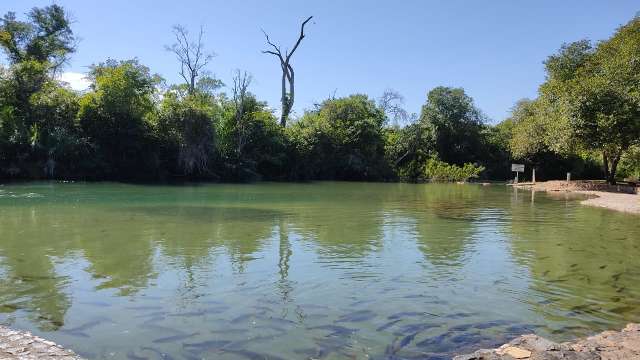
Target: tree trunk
x,y
287,72
605,164
614,168
611,166
285,115
291,94
283,99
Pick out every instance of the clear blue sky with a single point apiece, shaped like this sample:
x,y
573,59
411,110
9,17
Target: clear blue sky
x,y
493,49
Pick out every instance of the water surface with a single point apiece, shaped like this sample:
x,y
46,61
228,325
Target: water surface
x,y
319,270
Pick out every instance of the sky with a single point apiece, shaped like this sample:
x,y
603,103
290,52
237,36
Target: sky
x,y
493,49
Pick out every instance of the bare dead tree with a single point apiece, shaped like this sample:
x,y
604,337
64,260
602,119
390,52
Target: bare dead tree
x,y
241,82
190,54
332,96
391,102
288,76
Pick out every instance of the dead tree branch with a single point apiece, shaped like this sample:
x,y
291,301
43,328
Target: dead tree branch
x,y
241,82
190,54
288,76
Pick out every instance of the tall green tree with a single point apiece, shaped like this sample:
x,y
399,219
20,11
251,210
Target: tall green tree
x,y
408,149
496,156
456,124
35,49
46,38
253,144
599,87
60,147
542,138
116,116
342,139
185,127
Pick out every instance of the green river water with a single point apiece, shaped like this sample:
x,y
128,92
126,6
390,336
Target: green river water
x,y
318,270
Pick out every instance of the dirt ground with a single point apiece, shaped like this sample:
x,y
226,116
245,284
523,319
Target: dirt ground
x,y
615,197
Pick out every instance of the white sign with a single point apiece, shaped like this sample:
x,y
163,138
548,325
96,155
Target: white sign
x,y
517,167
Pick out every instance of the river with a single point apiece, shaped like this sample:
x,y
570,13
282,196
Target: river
x,y
315,270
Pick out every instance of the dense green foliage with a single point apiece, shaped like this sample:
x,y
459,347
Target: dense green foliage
x,y
630,164
588,106
37,124
342,139
115,116
130,125
437,170
456,124
185,134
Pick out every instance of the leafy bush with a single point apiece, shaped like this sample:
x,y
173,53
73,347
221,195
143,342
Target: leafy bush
x,y
437,170
342,139
185,127
252,144
115,116
407,150
630,165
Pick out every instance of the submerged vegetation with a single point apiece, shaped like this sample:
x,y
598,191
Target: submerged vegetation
x,y
131,125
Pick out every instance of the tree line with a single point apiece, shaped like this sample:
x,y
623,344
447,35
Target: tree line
x,y
130,125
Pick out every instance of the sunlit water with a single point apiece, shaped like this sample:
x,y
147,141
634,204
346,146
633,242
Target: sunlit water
x,y
319,270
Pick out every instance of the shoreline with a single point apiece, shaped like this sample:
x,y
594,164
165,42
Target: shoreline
x,y
624,344
23,345
619,202
621,198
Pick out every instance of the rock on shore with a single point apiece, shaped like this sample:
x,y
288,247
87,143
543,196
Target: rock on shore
x,y
609,345
26,346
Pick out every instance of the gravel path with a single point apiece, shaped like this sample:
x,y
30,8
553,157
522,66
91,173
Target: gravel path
x,y
26,346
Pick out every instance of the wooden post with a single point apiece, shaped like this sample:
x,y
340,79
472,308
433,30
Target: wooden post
x,y
568,177
533,196
533,176
516,181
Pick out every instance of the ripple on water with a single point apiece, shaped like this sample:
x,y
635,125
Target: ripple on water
x,y
342,271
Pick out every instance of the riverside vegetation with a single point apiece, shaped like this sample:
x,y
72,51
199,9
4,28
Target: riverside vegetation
x,y
131,125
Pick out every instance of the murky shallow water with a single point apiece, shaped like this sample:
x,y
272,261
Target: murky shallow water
x,y
321,270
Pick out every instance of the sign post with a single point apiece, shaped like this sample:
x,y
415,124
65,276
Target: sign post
x,y
517,168
533,176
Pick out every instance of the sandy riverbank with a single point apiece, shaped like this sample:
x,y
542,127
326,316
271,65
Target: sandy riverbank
x,y
614,197
609,345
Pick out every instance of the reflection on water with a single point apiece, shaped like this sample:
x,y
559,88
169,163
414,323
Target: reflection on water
x,y
323,270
